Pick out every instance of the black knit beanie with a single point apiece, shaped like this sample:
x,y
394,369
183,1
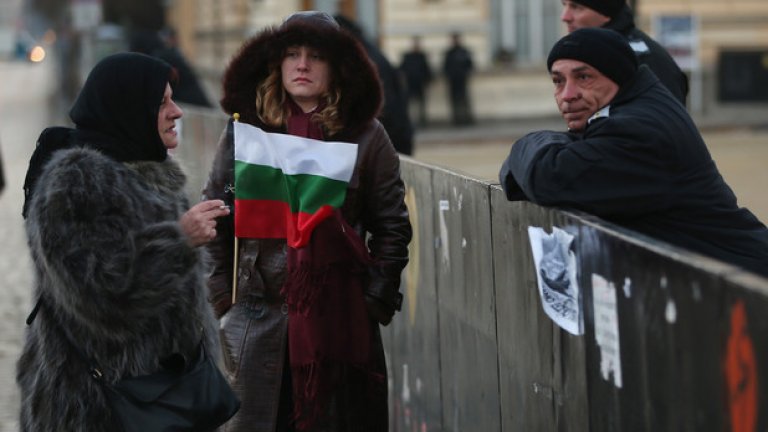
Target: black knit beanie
x,y
603,49
609,8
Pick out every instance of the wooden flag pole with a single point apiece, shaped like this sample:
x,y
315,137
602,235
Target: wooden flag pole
x,y
236,117
234,274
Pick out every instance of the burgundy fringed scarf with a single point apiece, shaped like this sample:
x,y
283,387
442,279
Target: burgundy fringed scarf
x,y
301,124
329,332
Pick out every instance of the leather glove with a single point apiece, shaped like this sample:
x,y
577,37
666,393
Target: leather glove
x,y
378,310
381,295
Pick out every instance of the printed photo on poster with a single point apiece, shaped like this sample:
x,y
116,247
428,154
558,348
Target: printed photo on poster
x,y
556,275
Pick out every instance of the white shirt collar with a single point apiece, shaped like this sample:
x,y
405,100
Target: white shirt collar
x,y
604,112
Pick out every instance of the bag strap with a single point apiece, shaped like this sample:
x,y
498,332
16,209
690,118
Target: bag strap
x,y
35,310
93,370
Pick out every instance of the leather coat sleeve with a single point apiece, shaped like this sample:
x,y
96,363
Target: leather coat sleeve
x,y
385,218
221,250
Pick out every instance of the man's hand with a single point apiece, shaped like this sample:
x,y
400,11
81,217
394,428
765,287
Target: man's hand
x,y
199,222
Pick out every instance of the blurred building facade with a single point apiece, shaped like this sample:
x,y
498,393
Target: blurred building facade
x,y
518,31
507,37
212,30
723,25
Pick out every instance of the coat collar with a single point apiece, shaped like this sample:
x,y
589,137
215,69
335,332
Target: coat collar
x,y
642,81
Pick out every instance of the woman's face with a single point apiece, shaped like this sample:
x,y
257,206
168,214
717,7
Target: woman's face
x,y
166,120
306,76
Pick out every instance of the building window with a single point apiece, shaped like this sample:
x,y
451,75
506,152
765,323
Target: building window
x,y
525,30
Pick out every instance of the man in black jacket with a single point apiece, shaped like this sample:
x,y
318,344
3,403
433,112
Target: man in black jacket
x,y
632,156
418,74
394,114
458,66
616,15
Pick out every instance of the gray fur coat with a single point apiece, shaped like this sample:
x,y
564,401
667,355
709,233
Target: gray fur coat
x,y
116,278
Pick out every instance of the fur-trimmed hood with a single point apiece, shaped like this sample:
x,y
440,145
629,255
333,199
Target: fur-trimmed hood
x,y
352,70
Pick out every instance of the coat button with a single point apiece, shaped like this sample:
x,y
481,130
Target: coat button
x,y
284,308
243,273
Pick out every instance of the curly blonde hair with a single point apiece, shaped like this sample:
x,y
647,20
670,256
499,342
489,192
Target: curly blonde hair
x,y
273,111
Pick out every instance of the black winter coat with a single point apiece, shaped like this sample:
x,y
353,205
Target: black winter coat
x,y
651,53
644,166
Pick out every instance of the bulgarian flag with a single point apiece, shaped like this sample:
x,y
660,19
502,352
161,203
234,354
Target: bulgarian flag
x,y
285,185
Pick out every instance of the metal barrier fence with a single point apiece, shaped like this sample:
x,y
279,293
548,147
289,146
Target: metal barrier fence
x,y
671,341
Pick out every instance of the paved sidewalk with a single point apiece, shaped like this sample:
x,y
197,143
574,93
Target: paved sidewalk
x,y
736,135
24,91
717,118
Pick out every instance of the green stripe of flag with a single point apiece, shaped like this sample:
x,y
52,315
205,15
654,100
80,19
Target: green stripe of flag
x,y
303,192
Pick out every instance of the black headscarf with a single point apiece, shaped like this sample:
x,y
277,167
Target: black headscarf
x,y
120,101
115,113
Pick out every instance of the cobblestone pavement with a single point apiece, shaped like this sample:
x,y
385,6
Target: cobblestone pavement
x,y
24,92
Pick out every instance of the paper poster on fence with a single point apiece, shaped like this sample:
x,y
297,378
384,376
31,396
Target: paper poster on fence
x,y
556,275
607,328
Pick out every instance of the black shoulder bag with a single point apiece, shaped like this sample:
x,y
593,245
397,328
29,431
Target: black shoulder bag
x,y
183,396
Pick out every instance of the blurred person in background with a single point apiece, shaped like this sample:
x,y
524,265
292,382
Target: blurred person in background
x,y
144,41
394,113
457,67
116,249
632,155
187,88
163,44
298,358
616,15
418,75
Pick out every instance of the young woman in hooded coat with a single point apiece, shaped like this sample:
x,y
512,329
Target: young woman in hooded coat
x,y
294,369
119,278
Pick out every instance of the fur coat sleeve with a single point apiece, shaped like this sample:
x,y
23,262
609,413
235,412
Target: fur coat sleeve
x,y
111,258
117,281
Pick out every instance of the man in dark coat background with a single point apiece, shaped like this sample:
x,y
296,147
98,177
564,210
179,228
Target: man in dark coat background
x,y
418,75
394,114
457,66
187,89
632,156
616,15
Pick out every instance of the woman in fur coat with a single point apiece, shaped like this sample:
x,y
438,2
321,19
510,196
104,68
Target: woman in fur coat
x,y
301,342
119,277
